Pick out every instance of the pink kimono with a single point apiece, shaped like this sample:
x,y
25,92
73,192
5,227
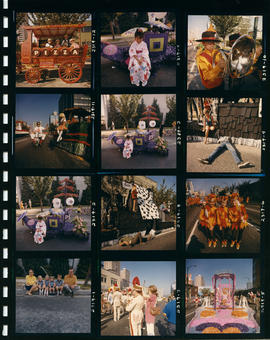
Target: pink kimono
x,y
128,149
139,72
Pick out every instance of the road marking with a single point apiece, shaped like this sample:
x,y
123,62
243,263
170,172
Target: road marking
x,y
192,232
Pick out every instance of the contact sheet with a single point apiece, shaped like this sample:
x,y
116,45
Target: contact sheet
x,y
135,170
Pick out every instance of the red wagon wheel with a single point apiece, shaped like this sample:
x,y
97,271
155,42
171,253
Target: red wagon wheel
x,y
70,72
32,76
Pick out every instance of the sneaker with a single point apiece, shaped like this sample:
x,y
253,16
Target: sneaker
x,y
243,165
237,245
204,160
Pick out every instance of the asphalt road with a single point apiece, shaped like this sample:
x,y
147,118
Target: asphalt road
x,y
114,76
223,163
53,314
121,327
55,81
25,240
250,240
29,156
163,241
112,158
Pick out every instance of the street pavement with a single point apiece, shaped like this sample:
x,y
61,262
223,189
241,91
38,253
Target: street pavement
x,y
113,75
55,81
25,240
223,163
121,327
197,242
164,241
29,156
112,158
53,314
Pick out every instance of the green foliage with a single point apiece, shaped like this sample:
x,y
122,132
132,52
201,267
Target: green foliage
x,y
166,194
127,105
113,114
141,108
56,18
171,115
87,193
225,24
41,187
157,111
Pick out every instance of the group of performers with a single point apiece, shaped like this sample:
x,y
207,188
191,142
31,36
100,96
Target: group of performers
x,y
223,218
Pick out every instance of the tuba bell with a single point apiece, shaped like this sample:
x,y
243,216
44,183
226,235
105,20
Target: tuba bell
x,y
242,57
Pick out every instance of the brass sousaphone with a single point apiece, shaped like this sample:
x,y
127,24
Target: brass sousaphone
x,y
242,57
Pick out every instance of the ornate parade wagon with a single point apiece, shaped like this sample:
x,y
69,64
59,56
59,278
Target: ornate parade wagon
x,y
35,61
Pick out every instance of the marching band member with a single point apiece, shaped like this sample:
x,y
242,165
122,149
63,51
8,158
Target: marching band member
x,y
117,300
135,307
243,222
209,61
235,217
223,220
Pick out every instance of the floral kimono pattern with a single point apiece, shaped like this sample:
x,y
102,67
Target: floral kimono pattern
x,y
139,72
128,149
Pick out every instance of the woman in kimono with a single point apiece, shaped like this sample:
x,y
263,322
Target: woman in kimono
x,y
128,147
139,63
40,231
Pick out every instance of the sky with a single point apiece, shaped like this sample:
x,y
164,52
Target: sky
x,y
242,268
170,180
36,107
160,273
200,23
205,184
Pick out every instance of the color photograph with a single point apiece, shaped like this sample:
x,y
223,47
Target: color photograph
x,y
223,296
51,294
136,300
138,212
138,49
53,131
223,215
53,50
53,213
225,52
138,131
224,135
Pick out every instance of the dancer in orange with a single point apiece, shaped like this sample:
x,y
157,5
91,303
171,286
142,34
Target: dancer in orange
x,y
235,217
223,220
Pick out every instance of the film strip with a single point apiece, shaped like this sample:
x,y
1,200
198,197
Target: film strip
x,y
105,259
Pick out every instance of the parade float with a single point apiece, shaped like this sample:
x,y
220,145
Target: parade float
x,y
144,140
223,315
57,219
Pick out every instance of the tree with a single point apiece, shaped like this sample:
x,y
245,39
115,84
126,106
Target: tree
x,y
157,111
225,24
56,18
41,186
141,108
113,114
110,22
67,188
165,194
171,114
87,193
127,105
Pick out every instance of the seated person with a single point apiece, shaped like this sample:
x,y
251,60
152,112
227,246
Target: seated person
x,y
31,283
57,43
59,284
132,240
73,43
70,283
65,41
49,43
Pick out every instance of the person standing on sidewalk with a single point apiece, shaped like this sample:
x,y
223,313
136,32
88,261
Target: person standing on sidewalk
x,y
117,300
